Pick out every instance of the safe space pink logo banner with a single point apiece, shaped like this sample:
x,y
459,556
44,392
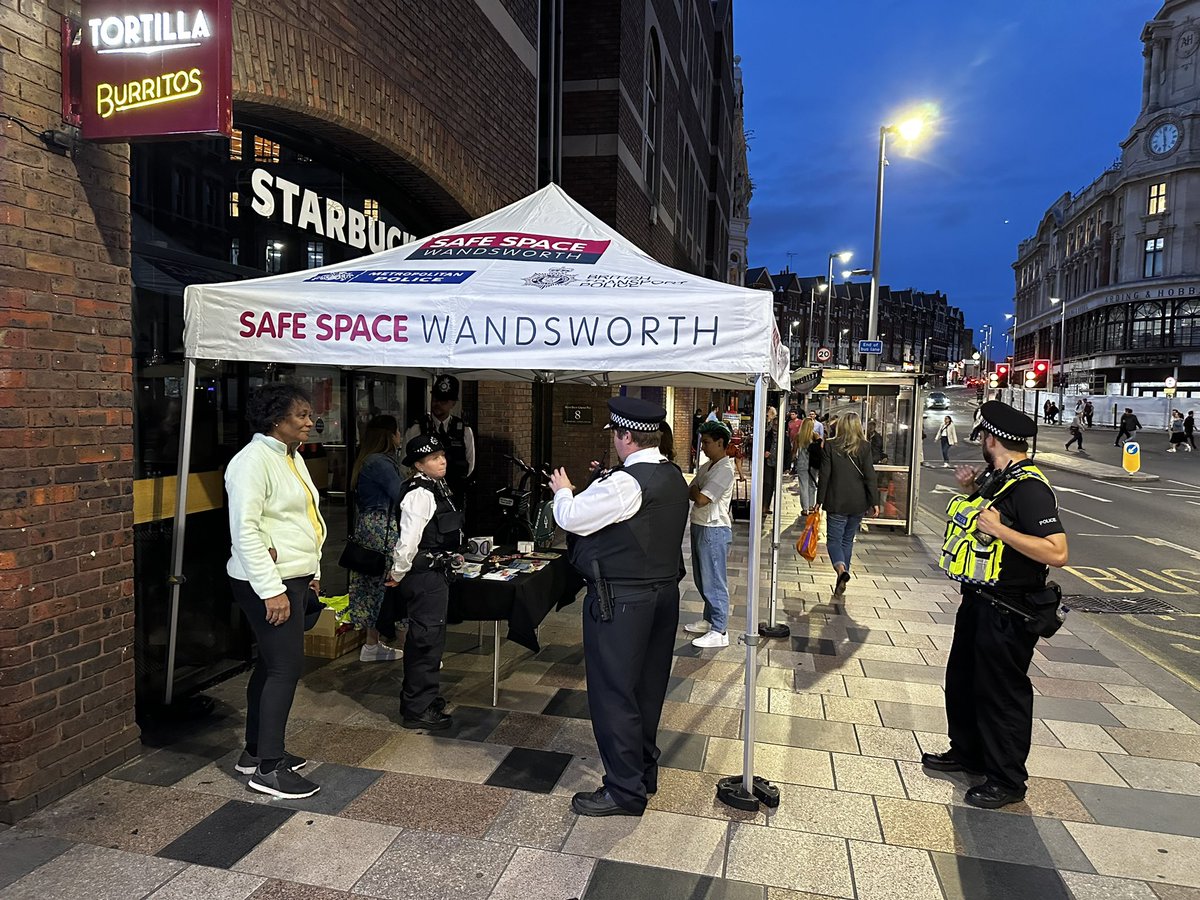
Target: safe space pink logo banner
x,y
512,245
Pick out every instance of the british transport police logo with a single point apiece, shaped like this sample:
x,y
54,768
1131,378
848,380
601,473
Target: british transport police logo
x,y
513,245
553,278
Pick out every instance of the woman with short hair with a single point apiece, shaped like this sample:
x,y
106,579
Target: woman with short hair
x,y
277,534
848,491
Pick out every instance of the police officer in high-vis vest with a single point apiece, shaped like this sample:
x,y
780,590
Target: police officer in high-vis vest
x,y
422,564
456,436
1001,536
627,536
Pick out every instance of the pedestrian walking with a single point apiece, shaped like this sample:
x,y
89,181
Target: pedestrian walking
x,y
1046,411
1088,412
1189,426
1076,431
807,442
1006,605
848,491
1178,434
628,534
947,437
1128,428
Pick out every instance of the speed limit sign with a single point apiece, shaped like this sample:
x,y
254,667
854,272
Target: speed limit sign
x,y
824,354
1170,381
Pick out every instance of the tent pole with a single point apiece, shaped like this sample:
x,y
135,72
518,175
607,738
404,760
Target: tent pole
x,y
771,628
176,579
745,791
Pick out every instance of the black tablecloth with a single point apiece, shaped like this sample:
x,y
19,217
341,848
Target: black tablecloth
x,y
523,602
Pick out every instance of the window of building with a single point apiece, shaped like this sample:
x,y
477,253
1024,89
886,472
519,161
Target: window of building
x,y
1158,199
235,250
1148,325
371,209
1090,234
1152,258
265,150
235,145
316,254
1187,324
234,205
274,257
652,115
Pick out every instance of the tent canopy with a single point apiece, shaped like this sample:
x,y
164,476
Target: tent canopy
x,y
538,289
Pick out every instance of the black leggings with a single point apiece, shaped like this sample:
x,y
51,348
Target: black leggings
x,y
280,660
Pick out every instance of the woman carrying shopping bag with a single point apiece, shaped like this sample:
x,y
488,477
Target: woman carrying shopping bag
x,y
947,437
806,481
848,491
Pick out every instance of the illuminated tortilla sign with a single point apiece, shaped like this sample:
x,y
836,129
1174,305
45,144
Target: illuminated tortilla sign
x,y
156,73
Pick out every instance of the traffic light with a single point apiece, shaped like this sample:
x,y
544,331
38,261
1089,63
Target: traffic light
x,y
1036,376
999,378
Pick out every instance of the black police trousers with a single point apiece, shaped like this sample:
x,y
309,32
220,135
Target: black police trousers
x,y
989,698
426,595
628,662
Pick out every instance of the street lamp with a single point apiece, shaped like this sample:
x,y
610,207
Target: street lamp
x,y
791,343
909,130
843,256
808,330
986,330
1062,348
1011,317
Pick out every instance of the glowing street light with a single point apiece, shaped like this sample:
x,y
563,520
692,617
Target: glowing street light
x,y
808,331
841,256
909,130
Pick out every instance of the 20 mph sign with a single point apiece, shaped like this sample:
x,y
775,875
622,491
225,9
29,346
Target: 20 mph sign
x,y
824,354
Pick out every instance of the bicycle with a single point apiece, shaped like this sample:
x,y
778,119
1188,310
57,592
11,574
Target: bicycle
x,y
518,505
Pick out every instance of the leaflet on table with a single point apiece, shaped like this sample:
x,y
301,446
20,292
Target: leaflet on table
x,y
529,565
501,575
542,555
471,570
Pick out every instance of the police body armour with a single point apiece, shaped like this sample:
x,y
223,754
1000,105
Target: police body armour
x,y
968,555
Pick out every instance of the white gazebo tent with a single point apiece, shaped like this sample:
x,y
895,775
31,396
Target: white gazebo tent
x,y
538,290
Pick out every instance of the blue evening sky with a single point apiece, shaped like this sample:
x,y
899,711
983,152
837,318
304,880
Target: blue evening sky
x,y
1035,97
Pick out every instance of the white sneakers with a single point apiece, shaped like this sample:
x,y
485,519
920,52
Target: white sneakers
x,y
701,627
380,652
712,640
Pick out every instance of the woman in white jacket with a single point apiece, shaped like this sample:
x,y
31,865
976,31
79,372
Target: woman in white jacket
x,y
947,437
275,570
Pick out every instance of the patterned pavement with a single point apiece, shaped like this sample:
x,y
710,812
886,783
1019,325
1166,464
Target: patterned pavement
x,y
844,708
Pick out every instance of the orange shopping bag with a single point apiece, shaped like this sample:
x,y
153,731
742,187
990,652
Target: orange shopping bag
x,y
806,546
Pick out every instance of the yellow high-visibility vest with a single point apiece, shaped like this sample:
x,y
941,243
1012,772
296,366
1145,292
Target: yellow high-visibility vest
x,y
968,555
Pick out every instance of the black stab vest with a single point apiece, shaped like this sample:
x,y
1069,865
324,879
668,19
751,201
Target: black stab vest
x,y
444,530
647,548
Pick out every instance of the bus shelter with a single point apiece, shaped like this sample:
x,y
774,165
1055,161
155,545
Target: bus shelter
x,y
890,408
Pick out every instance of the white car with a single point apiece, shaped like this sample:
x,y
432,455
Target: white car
x,y
938,400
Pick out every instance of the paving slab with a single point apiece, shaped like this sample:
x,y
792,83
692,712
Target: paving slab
x,y
422,865
662,839
789,859
1148,856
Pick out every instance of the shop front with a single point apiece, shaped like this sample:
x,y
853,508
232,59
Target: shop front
x,y
270,201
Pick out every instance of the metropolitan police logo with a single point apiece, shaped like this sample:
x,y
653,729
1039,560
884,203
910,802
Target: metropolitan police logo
x,y
443,385
553,278
335,276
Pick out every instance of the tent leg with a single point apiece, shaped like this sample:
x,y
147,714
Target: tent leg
x,y
176,579
771,628
745,791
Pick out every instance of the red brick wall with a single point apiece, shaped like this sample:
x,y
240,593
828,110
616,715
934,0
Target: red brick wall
x,y
389,83
66,442
574,446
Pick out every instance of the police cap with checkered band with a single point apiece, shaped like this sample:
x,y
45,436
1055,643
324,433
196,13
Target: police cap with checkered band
x,y
1005,422
421,446
635,414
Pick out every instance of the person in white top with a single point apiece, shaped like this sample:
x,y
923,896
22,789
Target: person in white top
x,y
712,534
947,437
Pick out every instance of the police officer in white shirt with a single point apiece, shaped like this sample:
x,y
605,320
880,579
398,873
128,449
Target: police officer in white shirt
x,y
626,540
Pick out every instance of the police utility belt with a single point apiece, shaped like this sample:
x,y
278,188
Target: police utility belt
x,y
974,558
